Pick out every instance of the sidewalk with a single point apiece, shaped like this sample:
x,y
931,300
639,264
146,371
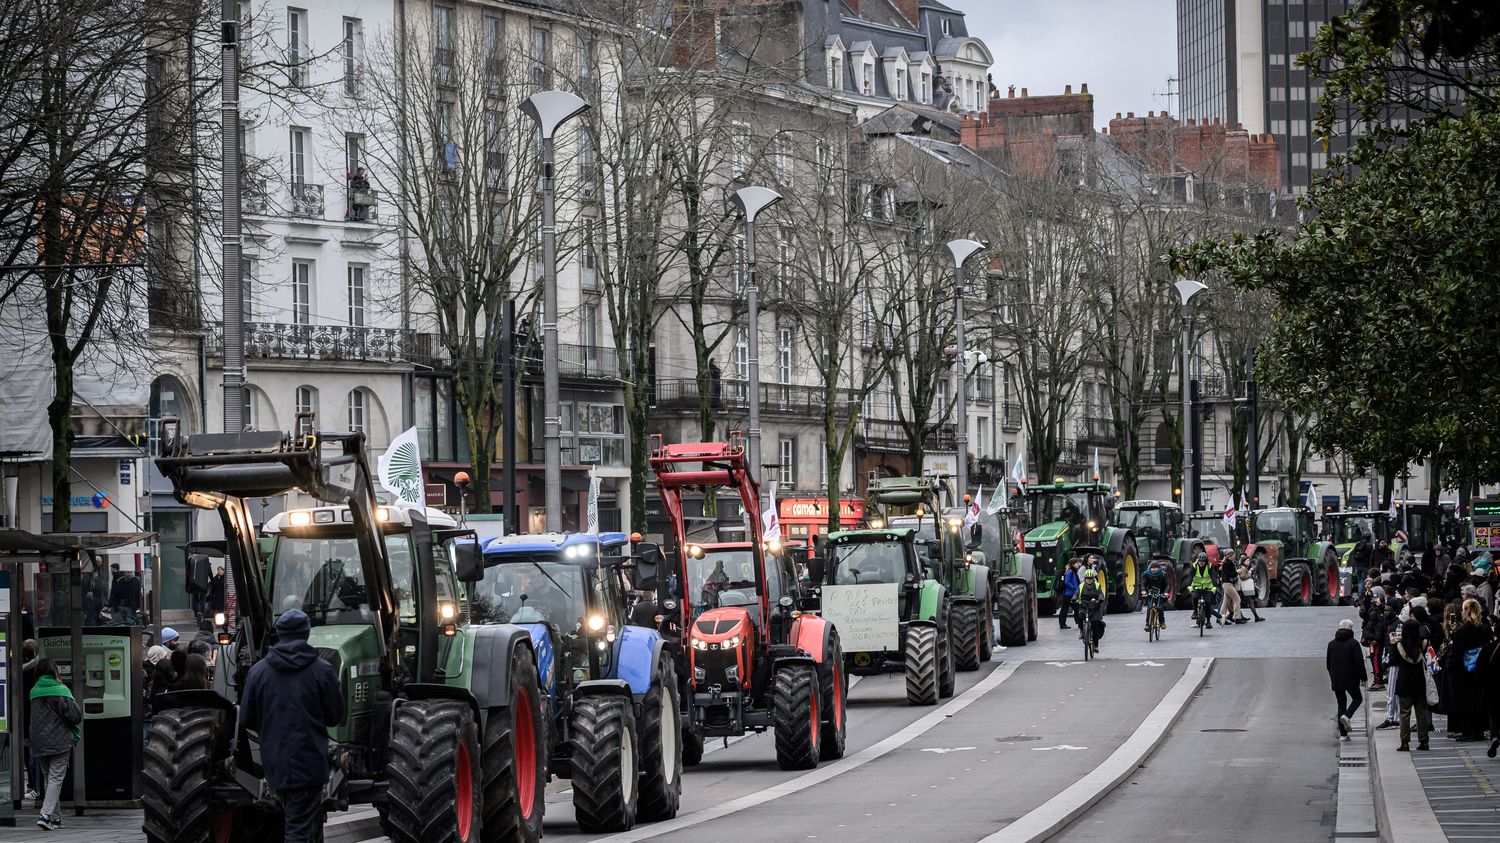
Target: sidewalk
x,y
124,826
1447,793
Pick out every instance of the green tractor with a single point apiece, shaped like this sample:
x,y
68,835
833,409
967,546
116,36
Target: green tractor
x,y
1344,530
891,608
992,542
1290,560
1071,519
915,503
1162,533
444,728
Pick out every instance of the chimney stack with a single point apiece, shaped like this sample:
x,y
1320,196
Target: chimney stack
x,y
1130,115
1067,89
1023,92
1084,89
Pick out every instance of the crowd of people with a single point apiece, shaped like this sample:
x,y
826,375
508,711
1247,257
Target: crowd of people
x,y
1431,643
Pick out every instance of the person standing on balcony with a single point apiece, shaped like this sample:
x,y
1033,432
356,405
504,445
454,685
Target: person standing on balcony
x,y
715,383
359,195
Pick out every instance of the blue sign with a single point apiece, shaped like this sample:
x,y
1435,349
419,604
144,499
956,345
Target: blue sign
x,y
98,500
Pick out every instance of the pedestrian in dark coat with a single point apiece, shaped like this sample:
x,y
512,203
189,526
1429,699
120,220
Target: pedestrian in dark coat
x,y
55,717
291,697
1466,687
1346,671
1453,582
1411,685
216,597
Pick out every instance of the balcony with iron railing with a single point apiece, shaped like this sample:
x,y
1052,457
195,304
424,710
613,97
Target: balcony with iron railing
x,y
1010,416
891,435
284,341
1093,430
307,200
793,399
361,204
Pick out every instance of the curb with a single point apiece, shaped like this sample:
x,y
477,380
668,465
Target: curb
x,y
1056,813
1409,815
354,826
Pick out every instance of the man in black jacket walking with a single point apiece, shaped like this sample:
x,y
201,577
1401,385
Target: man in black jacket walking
x,y
291,698
1346,670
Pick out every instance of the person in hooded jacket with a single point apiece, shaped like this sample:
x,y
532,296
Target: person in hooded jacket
x,y
1372,610
1411,686
291,697
55,719
1346,671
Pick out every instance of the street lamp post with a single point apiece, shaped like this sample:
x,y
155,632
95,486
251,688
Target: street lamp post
x,y
750,201
961,251
550,109
1186,289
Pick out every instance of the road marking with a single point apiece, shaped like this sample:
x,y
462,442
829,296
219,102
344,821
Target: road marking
x,y
1066,664
1053,816
913,731
941,750
1145,664
1063,746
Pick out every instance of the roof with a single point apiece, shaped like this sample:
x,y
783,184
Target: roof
x,y
20,541
879,11
1145,504
342,515
882,535
1038,488
531,544
911,119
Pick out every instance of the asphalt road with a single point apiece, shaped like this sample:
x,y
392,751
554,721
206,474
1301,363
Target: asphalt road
x,y
1022,737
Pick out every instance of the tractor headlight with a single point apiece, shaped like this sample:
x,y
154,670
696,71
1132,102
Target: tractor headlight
x,y
299,519
447,611
700,644
596,623
877,523
734,641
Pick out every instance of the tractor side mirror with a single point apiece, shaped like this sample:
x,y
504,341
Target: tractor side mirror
x,y
468,561
647,561
816,569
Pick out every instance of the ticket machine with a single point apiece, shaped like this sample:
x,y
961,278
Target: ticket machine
x,y
113,711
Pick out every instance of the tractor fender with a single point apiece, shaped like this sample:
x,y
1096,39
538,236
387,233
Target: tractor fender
x,y
195,699
783,661
489,684
1273,558
933,597
980,578
1025,571
546,657
603,687
438,691
812,635
637,650
1115,542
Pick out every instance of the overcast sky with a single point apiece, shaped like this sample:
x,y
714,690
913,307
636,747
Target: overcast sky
x,y
1123,49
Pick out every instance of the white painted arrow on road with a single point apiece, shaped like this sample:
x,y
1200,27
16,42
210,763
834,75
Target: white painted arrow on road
x,y
941,750
1063,747
1145,664
1064,664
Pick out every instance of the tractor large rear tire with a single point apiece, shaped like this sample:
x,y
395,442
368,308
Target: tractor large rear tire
x,y
433,774
921,654
1261,571
605,763
965,624
661,746
1125,578
799,729
833,687
177,777
513,760
986,630
1295,584
947,672
1015,627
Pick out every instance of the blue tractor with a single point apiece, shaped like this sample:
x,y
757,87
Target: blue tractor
x,y
611,689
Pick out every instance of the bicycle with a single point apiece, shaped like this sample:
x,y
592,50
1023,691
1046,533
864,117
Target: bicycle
x,y
1200,611
1153,615
1085,622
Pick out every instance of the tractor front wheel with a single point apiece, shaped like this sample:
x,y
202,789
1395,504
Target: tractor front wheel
x,y
966,644
692,748
1125,579
513,760
605,763
661,746
1035,614
947,670
1296,584
799,729
433,774
1014,624
921,656
833,688
178,775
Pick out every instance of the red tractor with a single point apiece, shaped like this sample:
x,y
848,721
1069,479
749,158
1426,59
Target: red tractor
x,y
750,660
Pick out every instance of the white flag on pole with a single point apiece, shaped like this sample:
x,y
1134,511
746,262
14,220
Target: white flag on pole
x,y
1230,513
770,522
1018,473
1096,465
593,503
972,516
400,470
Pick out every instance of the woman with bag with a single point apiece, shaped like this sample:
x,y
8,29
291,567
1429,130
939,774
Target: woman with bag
x,y
1247,591
1412,678
1465,685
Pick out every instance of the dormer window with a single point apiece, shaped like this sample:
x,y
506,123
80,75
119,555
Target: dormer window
x,y
836,72
900,83
924,90
867,81
947,28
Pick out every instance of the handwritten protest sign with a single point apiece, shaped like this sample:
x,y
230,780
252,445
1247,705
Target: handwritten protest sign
x,y
865,615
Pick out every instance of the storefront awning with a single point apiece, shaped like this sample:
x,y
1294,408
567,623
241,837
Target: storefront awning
x,y
20,541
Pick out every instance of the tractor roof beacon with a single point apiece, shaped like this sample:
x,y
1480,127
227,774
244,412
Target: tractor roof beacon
x,y
423,691
751,661
606,681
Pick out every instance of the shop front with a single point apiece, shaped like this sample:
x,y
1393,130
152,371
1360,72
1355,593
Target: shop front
x,y
804,519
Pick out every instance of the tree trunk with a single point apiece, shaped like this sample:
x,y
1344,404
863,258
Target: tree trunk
x,y
60,417
1434,509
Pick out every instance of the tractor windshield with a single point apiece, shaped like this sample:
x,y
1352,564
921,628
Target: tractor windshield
x,y
1347,529
862,563
531,589
1275,525
1072,507
722,578
1144,521
322,576
1212,529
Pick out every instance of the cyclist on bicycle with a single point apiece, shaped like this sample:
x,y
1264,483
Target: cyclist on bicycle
x,y
1203,587
1091,606
1156,580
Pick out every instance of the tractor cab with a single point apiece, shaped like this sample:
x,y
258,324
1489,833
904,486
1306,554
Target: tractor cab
x,y
1345,528
1209,527
1156,524
938,542
564,589
1080,509
1290,526
877,557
